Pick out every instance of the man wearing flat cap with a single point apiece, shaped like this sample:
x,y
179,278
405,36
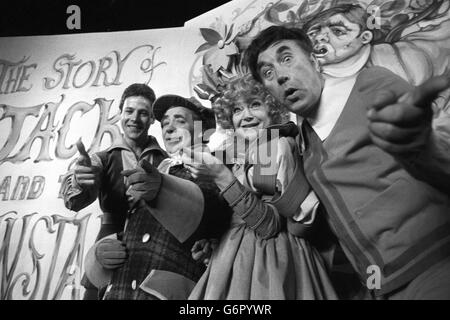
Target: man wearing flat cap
x,y
185,123
159,241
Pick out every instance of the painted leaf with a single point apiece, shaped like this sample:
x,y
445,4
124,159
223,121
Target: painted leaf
x,y
390,8
420,4
291,16
230,33
272,16
310,8
204,46
216,58
430,28
211,36
210,78
204,86
377,3
204,91
399,19
283,6
231,49
303,9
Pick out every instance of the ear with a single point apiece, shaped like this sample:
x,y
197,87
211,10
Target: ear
x,y
152,121
315,63
366,37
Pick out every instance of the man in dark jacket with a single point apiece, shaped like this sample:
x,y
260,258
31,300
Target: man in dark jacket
x,y
158,242
382,172
99,175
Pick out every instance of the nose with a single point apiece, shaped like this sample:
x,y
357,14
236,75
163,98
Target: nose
x,y
133,116
282,74
247,115
282,78
170,128
322,36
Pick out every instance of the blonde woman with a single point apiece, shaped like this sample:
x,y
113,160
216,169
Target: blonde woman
x,y
263,255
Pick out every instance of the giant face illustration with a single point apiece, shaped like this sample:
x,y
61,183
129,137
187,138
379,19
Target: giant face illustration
x,y
337,39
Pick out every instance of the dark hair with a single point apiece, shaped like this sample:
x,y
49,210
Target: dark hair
x,y
244,87
138,90
269,36
352,12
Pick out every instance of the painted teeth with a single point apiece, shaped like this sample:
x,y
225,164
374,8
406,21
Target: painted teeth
x,y
321,51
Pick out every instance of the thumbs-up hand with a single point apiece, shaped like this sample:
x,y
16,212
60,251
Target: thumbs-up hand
x,y
85,173
143,182
84,159
402,125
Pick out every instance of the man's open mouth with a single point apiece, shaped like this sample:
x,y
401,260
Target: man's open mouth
x,y
320,51
289,93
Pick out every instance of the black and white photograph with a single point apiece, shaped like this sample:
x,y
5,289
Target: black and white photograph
x,y
243,150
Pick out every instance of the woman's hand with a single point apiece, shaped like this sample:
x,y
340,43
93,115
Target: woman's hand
x,y
204,166
202,250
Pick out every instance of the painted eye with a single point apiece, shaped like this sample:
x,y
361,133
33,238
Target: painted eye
x,y
338,32
313,31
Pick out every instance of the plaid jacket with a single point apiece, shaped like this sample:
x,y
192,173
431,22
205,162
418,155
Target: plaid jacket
x,y
158,264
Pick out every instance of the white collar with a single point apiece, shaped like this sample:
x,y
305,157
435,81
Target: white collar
x,y
335,94
339,81
348,67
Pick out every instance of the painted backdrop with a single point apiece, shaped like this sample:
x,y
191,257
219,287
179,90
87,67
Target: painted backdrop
x,y
411,37
53,91
56,89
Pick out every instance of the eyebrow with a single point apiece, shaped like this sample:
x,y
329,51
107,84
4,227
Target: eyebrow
x,y
338,24
282,48
176,116
251,99
314,27
259,65
132,109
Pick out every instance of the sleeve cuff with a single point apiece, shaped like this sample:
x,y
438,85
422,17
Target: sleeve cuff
x,y
234,192
308,210
70,189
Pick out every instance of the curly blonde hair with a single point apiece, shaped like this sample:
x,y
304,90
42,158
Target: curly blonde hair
x,y
242,87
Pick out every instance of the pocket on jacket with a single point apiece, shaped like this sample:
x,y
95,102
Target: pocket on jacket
x,y
389,212
167,285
